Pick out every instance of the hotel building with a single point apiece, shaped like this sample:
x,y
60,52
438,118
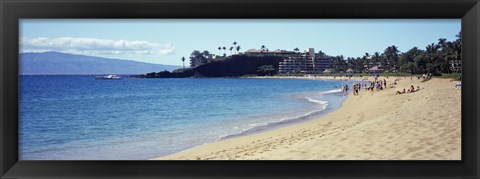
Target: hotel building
x,y
304,63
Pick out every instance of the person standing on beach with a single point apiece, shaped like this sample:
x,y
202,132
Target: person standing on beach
x,y
357,88
385,82
354,89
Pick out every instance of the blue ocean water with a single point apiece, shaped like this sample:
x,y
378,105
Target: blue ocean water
x,y
80,118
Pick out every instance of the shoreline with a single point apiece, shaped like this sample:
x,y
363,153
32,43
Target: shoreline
x,y
347,133
311,115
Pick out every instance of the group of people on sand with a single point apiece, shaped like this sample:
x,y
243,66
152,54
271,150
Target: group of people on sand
x,y
376,84
410,90
367,86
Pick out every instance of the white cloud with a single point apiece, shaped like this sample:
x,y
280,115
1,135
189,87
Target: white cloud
x,y
92,46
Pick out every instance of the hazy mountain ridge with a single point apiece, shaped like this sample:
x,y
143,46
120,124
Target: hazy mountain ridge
x,y
54,63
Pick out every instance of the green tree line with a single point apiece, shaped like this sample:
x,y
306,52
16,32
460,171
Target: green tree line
x,y
436,58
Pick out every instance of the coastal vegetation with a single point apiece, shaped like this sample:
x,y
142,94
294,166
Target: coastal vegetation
x,y
436,58
442,57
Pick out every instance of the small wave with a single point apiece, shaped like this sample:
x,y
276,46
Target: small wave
x,y
258,127
252,128
316,101
332,91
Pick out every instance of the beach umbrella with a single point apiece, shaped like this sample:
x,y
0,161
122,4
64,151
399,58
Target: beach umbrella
x,y
328,71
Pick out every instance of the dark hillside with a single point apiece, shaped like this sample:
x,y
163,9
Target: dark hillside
x,y
237,65
233,66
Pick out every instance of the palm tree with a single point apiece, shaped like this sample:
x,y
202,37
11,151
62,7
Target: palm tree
x,y
459,37
367,60
183,61
457,52
234,45
238,49
392,56
206,56
224,48
446,54
442,42
263,48
431,55
296,49
321,54
432,49
376,58
231,48
219,48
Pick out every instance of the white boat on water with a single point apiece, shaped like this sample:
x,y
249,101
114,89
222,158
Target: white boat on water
x,y
108,77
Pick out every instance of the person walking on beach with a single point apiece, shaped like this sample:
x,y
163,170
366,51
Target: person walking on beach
x,y
385,82
346,89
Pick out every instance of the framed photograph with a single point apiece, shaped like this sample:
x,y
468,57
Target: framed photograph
x,y
245,89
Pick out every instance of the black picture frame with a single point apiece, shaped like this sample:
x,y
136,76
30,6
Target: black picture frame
x,y
13,10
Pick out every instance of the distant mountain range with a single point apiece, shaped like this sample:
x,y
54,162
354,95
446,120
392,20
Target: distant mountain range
x,y
54,63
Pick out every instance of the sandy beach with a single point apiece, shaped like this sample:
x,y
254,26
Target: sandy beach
x,y
379,125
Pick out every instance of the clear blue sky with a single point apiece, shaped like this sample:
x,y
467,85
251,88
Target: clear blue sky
x,y
166,41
